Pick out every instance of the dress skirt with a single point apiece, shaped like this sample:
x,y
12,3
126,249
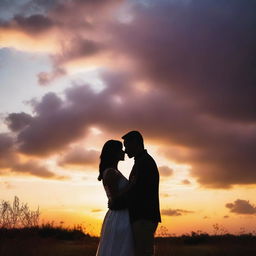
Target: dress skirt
x,y
116,235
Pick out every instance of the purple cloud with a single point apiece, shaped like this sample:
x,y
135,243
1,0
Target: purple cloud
x,y
80,157
209,144
10,161
17,121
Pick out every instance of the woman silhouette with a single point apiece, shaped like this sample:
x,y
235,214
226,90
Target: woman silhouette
x,y
116,233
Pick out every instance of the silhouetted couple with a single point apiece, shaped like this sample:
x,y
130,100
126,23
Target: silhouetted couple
x,y
131,221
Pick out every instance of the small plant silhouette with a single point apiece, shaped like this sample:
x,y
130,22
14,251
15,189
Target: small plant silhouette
x,y
17,215
219,229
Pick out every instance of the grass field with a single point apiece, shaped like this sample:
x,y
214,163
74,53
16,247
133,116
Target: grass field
x,y
53,241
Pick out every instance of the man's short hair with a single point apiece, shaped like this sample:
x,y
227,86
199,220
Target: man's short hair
x,y
133,136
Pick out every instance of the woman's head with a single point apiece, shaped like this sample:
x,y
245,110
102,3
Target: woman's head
x,y
111,153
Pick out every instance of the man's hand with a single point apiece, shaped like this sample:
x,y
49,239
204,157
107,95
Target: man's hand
x,y
110,204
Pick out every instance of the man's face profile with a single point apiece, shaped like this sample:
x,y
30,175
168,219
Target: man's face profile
x,y
129,148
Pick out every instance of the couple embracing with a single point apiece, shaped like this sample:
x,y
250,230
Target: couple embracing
x,y
129,225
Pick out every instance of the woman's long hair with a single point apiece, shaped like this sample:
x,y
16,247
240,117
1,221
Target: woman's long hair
x,y
109,155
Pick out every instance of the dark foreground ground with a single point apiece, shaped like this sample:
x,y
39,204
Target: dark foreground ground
x,y
50,241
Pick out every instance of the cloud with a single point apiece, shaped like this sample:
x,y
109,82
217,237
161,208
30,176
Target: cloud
x,y
186,182
205,59
241,207
96,210
175,212
38,6
74,49
10,161
33,24
77,48
165,171
81,157
32,167
191,57
190,89
218,151
54,126
45,78
6,143
7,150
30,21
17,121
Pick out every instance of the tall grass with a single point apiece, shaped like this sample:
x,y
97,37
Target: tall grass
x,y
17,215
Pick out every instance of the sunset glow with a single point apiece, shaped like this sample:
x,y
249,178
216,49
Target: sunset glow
x,y
77,73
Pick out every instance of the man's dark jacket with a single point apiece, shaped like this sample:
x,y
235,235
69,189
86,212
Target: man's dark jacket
x,y
143,196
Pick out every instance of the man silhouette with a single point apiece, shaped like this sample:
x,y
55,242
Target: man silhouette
x,y
142,198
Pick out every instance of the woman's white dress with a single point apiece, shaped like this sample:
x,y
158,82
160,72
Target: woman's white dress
x,y
116,233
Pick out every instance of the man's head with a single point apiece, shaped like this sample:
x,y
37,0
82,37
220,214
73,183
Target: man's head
x,y
133,143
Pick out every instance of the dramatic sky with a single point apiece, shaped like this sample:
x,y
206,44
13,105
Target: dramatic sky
x,y
75,73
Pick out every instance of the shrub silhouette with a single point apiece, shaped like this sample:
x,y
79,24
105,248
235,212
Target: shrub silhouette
x,y
17,215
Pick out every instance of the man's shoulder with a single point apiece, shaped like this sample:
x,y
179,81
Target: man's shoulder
x,y
146,159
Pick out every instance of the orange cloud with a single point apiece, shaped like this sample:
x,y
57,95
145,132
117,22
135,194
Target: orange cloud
x,y
175,212
46,43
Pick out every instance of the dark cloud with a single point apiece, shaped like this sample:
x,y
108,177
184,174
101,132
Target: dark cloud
x,y
10,161
7,150
59,122
6,143
77,48
17,121
175,212
165,171
54,126
204,52
241,207
81,157
33,24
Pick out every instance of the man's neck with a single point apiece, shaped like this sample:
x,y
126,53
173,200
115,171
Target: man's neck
x,y
139,153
